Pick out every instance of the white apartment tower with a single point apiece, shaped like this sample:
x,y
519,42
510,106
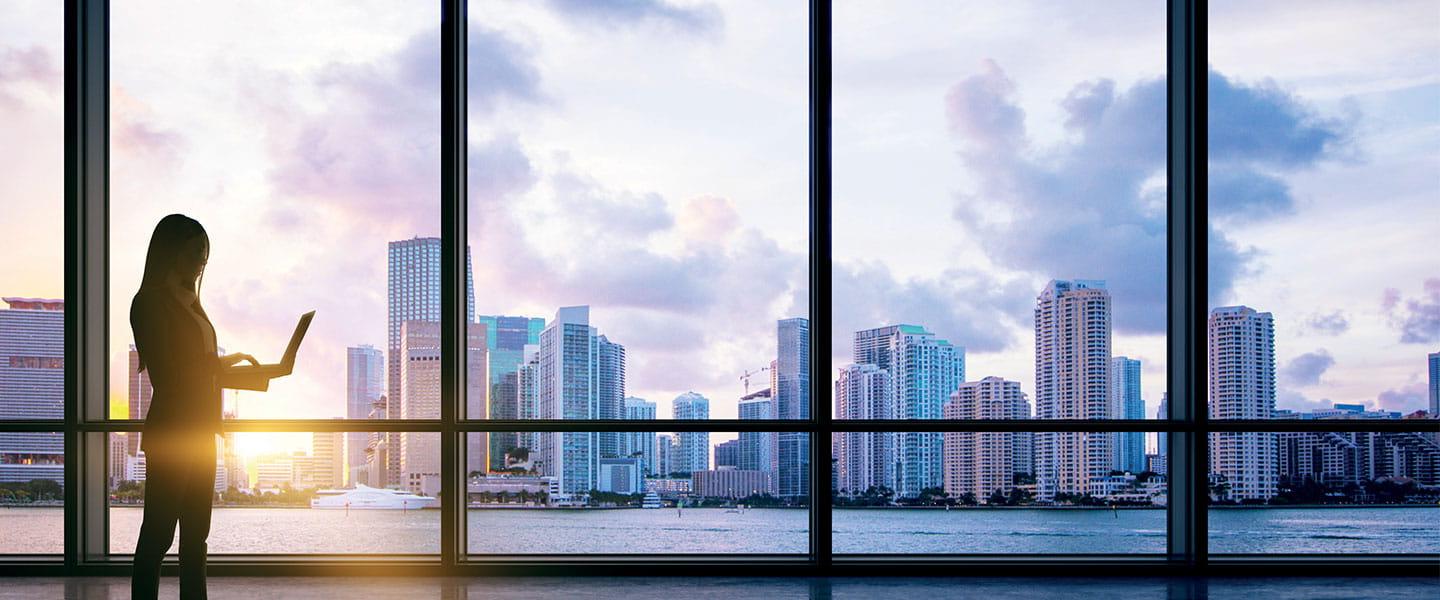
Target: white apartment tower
x,y
983,462
1072,375
694,450
1242,386
923,370
864,459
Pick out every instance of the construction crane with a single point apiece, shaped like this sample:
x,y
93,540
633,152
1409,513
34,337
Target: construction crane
x,y
745,378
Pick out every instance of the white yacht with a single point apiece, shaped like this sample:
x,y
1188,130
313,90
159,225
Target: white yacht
x,y
364,497
651,500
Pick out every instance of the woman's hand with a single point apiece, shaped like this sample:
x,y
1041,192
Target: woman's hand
x,y
230,360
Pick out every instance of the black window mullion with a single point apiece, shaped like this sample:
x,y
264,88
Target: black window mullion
x,y
1187,280
453,316
820,281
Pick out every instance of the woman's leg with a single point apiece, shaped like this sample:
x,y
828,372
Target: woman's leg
x,y
163,483
195,504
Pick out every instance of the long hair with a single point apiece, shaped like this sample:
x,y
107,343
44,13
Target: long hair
x,y
166,243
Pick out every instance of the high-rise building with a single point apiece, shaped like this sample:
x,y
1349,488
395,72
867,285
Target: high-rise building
x,y
666,451
323,466
727,454
413,294
1126,403
640,444
527,396
694,446
610,393
792,401
32,386
1161,463
115,459
364,385
138,393
923,370
758,451
1434,364
864,459
732,483
1242,386
1072,374
580,375
505,340
420,398
981,463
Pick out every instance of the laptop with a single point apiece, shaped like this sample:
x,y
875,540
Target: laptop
x,y
286,364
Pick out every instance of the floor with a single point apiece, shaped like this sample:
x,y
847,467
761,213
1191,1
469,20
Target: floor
x,y
880,588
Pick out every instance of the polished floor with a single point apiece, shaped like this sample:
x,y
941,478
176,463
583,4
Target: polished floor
x,y
1424,586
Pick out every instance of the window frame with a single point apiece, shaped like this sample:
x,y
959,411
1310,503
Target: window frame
x,y
86,427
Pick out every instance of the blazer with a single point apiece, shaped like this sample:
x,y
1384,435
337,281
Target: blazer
x,y
183,368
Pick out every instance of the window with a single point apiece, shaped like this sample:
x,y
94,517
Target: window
x,y
565,301
1339,141
32,312
960,293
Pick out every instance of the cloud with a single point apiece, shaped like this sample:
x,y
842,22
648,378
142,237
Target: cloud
x,y
1086,207
1291,399
498,69
24,67
1417,319
1413,396
701,19
1307,368
1334,323
969,308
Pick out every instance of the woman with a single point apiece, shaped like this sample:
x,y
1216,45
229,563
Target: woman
x,y
176,343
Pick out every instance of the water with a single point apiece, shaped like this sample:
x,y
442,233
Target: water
x,y
772,531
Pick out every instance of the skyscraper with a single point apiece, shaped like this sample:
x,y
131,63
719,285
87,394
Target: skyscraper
x,y
757,448
1072,374
138,394
923,370
413,294
865,459
1242,386
694,446
981,463
1162,439
326,459
505,340
727,454
1435,385
1126,403
32,386
640,444
364,385
420,399
792,401
665,454
581,375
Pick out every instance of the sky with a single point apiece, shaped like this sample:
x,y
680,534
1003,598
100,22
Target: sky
x,y
649,158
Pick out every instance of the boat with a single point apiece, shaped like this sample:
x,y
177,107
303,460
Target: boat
x,y
651,500
364,497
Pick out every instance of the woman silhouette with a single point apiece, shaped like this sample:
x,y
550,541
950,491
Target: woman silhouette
x,y
176,343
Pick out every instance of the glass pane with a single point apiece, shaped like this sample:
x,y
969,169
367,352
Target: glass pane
x,y
670,493
32,109
994,495
1356,492
32,501
637,175
997,215
1323,119
312,162
291,493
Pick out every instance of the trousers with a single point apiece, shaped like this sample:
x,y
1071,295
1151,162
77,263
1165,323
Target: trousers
x,y
179,489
